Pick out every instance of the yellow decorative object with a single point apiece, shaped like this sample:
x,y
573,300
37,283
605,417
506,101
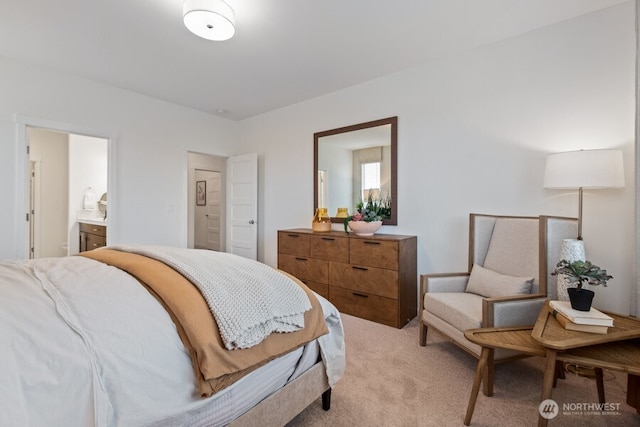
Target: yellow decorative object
x,y
342,213
321,221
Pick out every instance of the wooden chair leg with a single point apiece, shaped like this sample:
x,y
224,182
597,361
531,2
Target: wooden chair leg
x,y
489,373
423,334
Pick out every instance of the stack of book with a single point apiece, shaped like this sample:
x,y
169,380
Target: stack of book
x,y
593,321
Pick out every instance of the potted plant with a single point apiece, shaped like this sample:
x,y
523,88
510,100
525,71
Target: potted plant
x,y
581,273
368,216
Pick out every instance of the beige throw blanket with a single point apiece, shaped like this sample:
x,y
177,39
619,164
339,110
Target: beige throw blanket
x,y
227,282
215,367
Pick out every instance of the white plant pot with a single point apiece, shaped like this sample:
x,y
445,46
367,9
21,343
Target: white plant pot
x,y
363,228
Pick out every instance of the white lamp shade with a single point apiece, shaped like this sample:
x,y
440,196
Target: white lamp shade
x,y
584,169
209,19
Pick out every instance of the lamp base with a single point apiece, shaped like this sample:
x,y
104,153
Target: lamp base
x,y
571,250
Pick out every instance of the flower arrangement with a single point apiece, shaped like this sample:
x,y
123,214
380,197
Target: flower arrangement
x,y
371,210
582,272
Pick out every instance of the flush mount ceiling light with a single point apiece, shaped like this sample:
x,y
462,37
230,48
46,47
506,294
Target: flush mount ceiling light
x,y
209,19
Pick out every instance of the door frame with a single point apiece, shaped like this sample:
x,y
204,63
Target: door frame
x,y
23,169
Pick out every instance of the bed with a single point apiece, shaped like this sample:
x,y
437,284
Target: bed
x,y
89,341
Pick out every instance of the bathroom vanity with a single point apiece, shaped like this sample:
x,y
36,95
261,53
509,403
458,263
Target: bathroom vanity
x,y
92,235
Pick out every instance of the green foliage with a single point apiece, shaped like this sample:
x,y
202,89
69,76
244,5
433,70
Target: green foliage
x,y
371,210
582,272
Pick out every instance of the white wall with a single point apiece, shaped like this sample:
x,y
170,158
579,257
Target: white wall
x,y
87,168
474,131
150,150
51,150
338,162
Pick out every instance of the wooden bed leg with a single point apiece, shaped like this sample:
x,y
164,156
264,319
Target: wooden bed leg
x,y
326,400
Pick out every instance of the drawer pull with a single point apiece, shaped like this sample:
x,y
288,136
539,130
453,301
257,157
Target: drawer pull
x,y
360,268
94,229
329,238
371,243
293,235
301,259
357,294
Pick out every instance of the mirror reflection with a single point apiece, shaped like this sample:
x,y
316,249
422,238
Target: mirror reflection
x,y
353,163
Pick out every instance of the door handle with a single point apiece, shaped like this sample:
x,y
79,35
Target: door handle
x,y
253,221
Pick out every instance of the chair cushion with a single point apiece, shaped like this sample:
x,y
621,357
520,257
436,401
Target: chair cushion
x,y
459,309
514,248
488,283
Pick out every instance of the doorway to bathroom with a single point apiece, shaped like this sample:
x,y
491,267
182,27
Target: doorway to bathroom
x,y
56,164
68,178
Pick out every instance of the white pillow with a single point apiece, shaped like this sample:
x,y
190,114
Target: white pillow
x,y
488,283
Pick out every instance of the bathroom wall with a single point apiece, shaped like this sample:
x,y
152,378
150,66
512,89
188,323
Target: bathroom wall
x,y
50,151
87,168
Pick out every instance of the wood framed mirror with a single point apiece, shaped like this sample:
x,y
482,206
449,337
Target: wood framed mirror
x,y
352,161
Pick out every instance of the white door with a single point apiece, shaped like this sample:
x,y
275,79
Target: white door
x,y
242,205
208,209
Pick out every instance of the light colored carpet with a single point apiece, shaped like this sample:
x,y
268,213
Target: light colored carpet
x,y
391,381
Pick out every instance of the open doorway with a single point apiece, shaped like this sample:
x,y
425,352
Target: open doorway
x,y
235,203
206,201
38,195
67,179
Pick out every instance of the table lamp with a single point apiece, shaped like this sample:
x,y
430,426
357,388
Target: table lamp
x,y
584,169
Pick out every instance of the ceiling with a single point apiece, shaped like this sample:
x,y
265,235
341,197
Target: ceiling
x,y
284,51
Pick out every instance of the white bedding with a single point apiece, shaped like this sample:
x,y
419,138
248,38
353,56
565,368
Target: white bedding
x,y
82,344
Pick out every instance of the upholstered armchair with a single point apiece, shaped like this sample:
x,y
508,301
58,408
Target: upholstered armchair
x,y
509,278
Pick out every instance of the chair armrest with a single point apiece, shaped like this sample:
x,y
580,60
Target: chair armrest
x,y
445,282
512,310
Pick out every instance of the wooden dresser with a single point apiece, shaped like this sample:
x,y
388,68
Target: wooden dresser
x,y
92,236
370,277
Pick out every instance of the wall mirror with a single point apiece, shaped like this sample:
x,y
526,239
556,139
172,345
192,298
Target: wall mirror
x,y
354,161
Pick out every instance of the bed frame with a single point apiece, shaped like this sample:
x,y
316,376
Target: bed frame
x,y
282,406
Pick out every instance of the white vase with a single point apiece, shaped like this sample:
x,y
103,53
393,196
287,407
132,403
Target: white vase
x,y
363,228
572,250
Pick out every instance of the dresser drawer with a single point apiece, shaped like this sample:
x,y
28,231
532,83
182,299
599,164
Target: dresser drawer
x,y
321,289
330,247
371,307
94,241
376,281
316,270
100,230
375,253
373,277
292,243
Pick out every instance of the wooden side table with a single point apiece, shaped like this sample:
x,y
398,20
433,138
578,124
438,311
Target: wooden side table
x,y
607,351
615,350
